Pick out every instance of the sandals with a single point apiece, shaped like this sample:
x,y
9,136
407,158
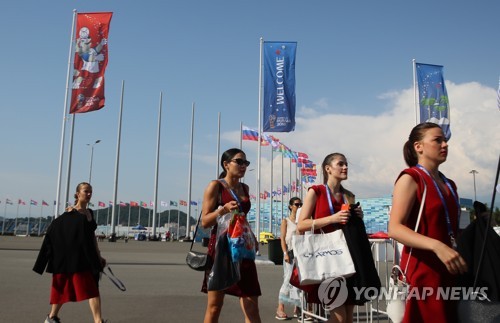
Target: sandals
x,y
281,316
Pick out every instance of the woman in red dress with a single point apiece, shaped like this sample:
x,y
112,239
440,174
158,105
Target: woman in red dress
x,y
69,251
433,263
323,209
217,201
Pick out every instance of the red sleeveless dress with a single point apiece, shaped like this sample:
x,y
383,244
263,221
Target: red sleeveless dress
x,y
249,283
424,268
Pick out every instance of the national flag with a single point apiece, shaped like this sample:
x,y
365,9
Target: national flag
x,y
151,203
163,204
273,141
101,204
252,135
110,203
123,203
55,202
252,197
91,204
91,59
173,203
279,86
144,204
302,155
8,201
433,98
33,202
132,203
183,203
263,196
19,201
44,203
193,203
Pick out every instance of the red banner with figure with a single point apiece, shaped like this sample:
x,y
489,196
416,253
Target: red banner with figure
x,y
91,59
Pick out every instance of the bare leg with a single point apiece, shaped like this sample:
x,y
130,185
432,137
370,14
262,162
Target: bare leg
x,y
95,307
54,310
250,307
342,314
214,306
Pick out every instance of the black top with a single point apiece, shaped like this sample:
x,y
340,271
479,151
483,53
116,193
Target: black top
x,y
69,245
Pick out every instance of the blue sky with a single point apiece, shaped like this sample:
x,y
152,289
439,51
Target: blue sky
x,y
354,91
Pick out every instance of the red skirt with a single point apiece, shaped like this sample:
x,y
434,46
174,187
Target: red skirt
x,y
73,287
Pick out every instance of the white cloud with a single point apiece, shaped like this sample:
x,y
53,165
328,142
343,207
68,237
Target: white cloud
x,y
373,144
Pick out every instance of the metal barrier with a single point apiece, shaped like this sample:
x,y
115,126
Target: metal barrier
x,y
383,254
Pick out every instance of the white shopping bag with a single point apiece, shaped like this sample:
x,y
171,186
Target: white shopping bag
x,y
322,256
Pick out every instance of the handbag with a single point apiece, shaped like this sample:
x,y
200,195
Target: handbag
x,y
117,282
481,309
196,260
322,256
398,285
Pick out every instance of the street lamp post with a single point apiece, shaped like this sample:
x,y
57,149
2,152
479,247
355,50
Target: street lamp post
x,y
92,156
474,172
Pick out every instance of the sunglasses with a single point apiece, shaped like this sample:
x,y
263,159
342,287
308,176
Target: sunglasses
x,y
297,204
241,162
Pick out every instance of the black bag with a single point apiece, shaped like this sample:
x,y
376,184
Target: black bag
x,y
225,272
196,260
481,309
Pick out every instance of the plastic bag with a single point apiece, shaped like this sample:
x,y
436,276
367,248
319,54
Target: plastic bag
x,y
241,239
225,272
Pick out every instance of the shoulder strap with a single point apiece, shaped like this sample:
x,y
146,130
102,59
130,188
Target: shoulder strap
x,y
195,231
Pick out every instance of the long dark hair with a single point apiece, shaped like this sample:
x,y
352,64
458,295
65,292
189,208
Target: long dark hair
x,y
328,159
292,201
226,157
416,134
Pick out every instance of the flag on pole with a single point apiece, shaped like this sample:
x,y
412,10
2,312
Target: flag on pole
x,y
252,135
91,59
123,203
433,98
101,204
163,204
193,203
144,204
19,201
173,203
8,201
279,86
110,203
33,202
132,203
44,203
183,203
91,204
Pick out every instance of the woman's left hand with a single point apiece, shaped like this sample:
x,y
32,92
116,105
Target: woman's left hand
x,y
103,261
359,212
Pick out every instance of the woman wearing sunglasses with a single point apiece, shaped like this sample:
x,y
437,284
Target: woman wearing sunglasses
x,y
221,197
288,293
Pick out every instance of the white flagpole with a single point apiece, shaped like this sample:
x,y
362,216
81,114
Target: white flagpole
x,y
40,219
139,218
28,226
241,132
271,202
155,197
70,157
178,223
218,147
4,216
415,99
17,215
190,175
257,209
282,182
61,149
117,162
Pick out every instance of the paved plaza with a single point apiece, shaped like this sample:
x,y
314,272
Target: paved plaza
x,y
160,286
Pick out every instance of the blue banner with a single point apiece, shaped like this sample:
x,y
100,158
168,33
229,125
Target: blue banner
x,y
279,86
432,97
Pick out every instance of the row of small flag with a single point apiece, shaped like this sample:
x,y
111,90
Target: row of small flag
x,y
102,204
22,202
308,168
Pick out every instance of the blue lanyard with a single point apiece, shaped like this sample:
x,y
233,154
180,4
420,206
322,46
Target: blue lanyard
x,y
329,196
448,222
235,197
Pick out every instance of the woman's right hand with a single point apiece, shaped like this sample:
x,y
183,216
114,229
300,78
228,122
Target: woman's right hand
x,y
230,206
286,258
340,217
454,263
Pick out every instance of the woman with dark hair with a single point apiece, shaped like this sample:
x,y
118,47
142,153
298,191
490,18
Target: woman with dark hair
x,y
323,210
429,253
222,196
288,293
70,252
